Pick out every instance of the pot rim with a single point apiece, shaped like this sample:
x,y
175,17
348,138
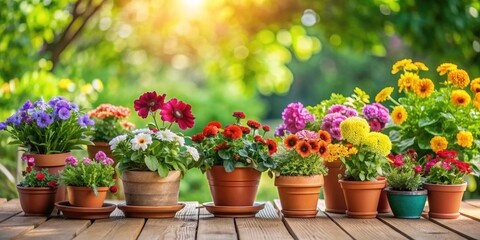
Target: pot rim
x,y
38,154
361,182
435,184
389,190
38,188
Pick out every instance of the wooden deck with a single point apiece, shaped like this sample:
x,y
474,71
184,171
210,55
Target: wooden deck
x,y
194,223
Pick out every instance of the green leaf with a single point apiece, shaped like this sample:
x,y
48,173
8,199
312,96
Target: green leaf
x,y
224,154
152,163
362,176
426,121
406,143
229,166
448,116
162,170
243,153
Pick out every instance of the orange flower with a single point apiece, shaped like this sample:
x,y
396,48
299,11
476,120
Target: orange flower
x,y
303,148
459,78
314,144
475,85
460,98
444,68
323,149
290,141
407,81
324,136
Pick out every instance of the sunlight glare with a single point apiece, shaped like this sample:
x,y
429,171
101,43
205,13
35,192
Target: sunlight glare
x,y
192,3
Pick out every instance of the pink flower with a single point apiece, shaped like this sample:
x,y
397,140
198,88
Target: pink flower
x,y
446,165
100,155
179,112
307,135
148,102
107,161
375,125
418,169
72,161
295,117
398,161
87,161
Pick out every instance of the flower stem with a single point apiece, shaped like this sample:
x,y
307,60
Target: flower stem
x,y
155,120
394,101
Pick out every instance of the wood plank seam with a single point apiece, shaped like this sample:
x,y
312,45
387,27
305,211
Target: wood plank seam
x,y
394,228
336,223
236,228
452,229
289,228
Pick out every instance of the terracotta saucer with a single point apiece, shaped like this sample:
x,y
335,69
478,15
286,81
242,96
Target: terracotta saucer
x,y
150,211
234,211
300,214
70,211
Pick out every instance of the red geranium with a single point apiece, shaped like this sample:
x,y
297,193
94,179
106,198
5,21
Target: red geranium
x,y
221,146
232,132
52,184
29,169
215,124
259,139
40,176
447,154
148,102
179,112
113,189
266,128
418,169
272,146
210,131
245,130
239,115
253,124
198,138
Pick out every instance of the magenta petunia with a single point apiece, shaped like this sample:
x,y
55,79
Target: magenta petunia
x,y
179,112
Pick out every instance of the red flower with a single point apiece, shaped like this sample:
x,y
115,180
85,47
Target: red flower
x,y
179,112
314,144
113,189
412,154
52,183
148,102
447,154
221,146
428,157
324,136
29,169
418,169
40,176
272,146
290,141
210,131
398,161
391,157
236,156
303,148
463,167
253,124
232,132
266,128
245,130
198,138
323,149
154,130
239,115
259,139
215,124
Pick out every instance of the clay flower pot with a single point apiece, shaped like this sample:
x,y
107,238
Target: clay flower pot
x,y
332,192
145,188
54,163
362,197
100,146
237,188
85,197
406,204
444,200
383,206
37,201
299,195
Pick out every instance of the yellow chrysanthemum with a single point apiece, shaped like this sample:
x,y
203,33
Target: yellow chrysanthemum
x,y
377,143
459,78
399,65
354,129
399,115
464,139
460,98
421,66
438,143
444,68
352,150
410,67
335,151
476,101
424,88
475,85
384,94
407,81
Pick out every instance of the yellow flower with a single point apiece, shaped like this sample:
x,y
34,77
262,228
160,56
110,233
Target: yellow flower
x,y
335,151
410,67
354,129
384,94
421,66
459,78
87,89
460,98
445,68
476,101
424,88
66,84
362,95
97,85
464,139
407,81
399,65
399,115
378,143
475,85
352,150
438,143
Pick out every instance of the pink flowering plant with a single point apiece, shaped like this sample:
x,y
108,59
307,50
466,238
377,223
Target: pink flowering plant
x,y
406,172
156,148
92,173
109,122
34,178
446,168
56,126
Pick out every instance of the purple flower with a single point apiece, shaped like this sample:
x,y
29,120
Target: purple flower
x,y
350,112
26,106
332,122
296,117
74,107
107,161
72,161
3,125
307,135
345,111
64,113
100,155
336,133
15,119
376,111
44,120
54,100
29,160
62,104
25,117
280,131
87,161
40,104
84,120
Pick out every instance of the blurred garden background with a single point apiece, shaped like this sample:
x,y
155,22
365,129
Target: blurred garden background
x,y
220,56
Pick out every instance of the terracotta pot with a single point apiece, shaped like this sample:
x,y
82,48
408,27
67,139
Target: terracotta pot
x,y
444,200
383,206
54,163
237,188
406,204
332,192
145,188
37,201
85,197
362,197
299,194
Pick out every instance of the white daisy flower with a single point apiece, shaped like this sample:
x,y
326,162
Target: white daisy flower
x,y
180,140
142,141
114,142
142,130
193,152
166,135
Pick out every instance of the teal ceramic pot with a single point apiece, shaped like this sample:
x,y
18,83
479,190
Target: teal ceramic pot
x,y
406,204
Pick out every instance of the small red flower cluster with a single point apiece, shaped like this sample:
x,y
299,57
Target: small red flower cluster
x,y
448,160
108,110
307,147
399,160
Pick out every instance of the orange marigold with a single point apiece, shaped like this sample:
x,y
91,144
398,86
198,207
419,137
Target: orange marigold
x,y
460,98
424,88
444,68
459,78
407,81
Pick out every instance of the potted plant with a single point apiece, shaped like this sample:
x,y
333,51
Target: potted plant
x,y
299,172
361,185
404,192
445,182
48,131
37,190
88,180
152,161
109,123
234,157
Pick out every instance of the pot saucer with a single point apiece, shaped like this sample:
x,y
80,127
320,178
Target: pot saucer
x,y
70,211
234,211
300,214
150,211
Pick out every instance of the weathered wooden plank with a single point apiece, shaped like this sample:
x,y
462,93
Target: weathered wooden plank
x,y
9,232
320,227
473,202
2,201
418,228
18,225
267,224
470,211
9,209
183,226
463,226
211,228
57,228
113,228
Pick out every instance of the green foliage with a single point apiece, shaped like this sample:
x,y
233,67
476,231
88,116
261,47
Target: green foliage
x,y
88,173
107,122
290,163
35,178
446,169
405,175
363,166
